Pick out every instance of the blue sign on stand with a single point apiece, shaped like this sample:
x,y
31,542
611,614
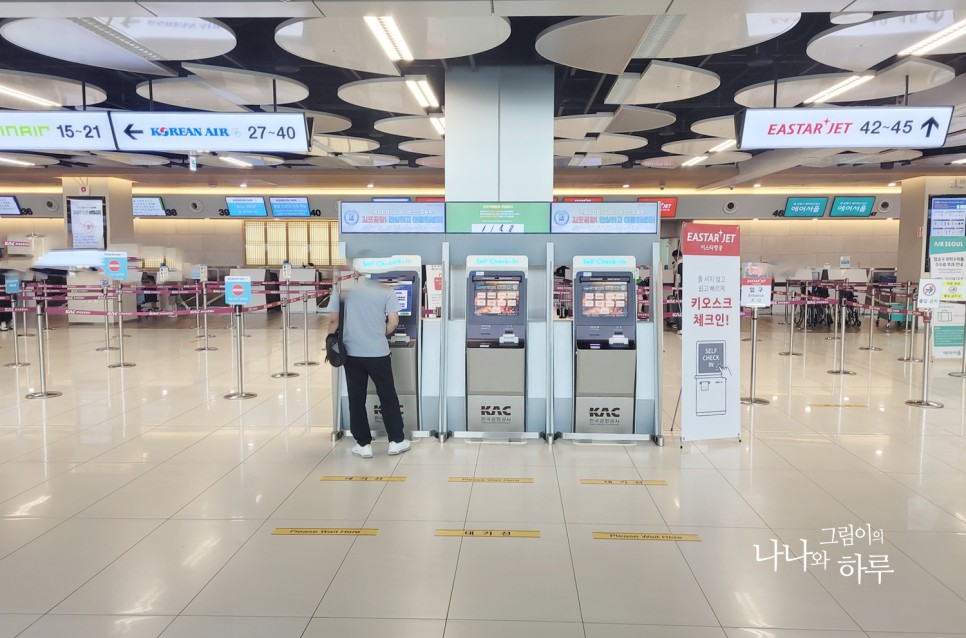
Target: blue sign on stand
x,y
238,291
11,285
115,265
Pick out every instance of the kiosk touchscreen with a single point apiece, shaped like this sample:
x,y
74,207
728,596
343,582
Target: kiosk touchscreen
x,y
403,275
496,330
605,325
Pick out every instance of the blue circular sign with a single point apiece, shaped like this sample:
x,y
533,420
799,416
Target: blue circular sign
x,y
350,217
561,218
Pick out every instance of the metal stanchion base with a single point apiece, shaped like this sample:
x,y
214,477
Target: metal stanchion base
x,y
925,404
22,364
831,338
106,348
203,336
749,339
754,401
235,396
844,372
285,375
208,349
872,349
28,334
307,363
789,354
910,359
122,365
49,394
959,375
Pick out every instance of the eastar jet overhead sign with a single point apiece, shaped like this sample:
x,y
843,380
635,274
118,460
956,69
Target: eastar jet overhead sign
x,y
847,127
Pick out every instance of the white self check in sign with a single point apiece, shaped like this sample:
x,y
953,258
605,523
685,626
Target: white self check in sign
x,y
847,127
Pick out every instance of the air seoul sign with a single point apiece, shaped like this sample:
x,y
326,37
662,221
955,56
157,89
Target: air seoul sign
x,y
847,127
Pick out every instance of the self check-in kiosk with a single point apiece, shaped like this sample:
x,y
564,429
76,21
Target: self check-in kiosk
x,y
605,348
403,274
496,340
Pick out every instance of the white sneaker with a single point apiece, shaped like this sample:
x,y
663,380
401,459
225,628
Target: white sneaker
x,y
3,326
365,451
399,448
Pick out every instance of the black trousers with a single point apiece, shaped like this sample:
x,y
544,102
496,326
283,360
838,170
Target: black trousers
x,y
358,371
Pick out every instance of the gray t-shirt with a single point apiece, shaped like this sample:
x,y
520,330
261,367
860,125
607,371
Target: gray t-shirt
x,y
367,305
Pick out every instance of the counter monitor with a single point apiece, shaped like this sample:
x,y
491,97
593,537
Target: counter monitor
x,y
9,206
290,206
147,207
246,207
496,297
852,207
805,207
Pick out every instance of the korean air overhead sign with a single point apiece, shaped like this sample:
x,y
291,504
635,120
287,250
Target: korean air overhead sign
x,y
846,127
153,131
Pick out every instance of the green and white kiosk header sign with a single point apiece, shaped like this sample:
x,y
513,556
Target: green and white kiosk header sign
x,y
498,217
947,257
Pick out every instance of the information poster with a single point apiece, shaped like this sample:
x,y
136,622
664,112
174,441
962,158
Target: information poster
x,y
947,256
711,332
238,291
115,265
498,217
619,218
434,288
947,333
86,216
391,217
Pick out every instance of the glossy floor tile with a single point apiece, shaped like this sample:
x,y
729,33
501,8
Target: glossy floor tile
x,y
143,504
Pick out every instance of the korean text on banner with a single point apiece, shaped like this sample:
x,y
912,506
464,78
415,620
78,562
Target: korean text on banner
x,y
711,332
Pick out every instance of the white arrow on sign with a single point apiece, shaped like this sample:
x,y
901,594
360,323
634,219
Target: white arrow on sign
x,y
848,127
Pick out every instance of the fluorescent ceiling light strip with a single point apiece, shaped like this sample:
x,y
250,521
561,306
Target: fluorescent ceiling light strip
x,y
423,92
847,84
96,26
694,161
724,146
439,123
228,159
659,31
936,40
13,162
959,161
26,97
389,37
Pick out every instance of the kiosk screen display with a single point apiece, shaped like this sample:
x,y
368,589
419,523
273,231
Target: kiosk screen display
x,y
852,207
9,205
246,207
806,206
496,297
290,206
404,295
604,299
147,207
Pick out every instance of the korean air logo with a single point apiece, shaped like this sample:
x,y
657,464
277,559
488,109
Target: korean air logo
x,y
561,218
350,217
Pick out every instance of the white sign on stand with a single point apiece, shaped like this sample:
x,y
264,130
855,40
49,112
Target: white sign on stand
x,y
845,127
930,293
711,332
285,274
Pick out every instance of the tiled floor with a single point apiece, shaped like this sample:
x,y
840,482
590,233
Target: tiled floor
x,y
141,504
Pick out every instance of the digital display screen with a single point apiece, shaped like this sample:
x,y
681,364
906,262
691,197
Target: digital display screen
x,y
496,297
669,205
147,207
498,217
806,206
246,207
947,216
391,217
290,206
404,295
852,207
604,299
616,218
9,205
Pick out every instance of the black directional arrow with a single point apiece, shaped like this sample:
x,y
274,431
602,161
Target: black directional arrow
x,y
929,125
129,130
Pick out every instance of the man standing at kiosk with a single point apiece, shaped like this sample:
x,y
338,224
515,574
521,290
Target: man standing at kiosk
x,y
371,315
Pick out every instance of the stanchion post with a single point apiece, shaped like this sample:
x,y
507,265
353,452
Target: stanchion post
x,y
841,369
835,321
198,334
107,322
872,318
121,363
17,363
239,323
791,332
751,399
285,373
962,372
44,393
205,347
910,356
305,335
924,402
